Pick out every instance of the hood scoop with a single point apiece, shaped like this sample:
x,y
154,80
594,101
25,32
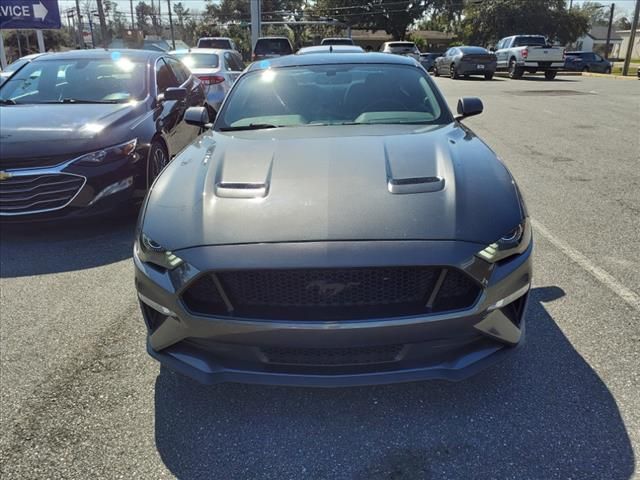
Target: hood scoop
x,y
244,174
405,175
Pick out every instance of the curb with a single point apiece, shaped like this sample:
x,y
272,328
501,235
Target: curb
x,y
612,77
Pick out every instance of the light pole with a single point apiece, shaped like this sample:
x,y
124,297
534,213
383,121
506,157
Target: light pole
x,y
632,39
173,38
606,49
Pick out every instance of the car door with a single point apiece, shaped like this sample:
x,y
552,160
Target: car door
x,y
170,112
440,61
502,53
195,98
598,64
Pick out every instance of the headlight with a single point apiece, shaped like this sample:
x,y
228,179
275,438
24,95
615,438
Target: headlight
x,y
511,243
152,252
108,154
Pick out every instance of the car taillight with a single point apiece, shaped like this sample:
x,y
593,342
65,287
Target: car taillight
x,y
525,53
211,79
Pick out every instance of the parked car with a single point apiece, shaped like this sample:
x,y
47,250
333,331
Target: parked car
x,y
87,130
427,60
13,67
219,43
337,41
330,230
586,62
466,61
408,49
216,69
330,49
271,47
529,53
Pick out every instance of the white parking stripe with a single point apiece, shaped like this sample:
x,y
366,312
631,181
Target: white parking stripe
x,y
616,287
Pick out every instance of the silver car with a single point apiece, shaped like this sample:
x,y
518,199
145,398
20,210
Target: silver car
x,y
407,49
217,69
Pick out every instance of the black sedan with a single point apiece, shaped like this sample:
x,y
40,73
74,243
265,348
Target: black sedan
x,y
330,230
586,62
84,132
465,61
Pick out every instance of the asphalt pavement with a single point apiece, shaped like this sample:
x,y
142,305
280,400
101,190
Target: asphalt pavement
x,y
79,398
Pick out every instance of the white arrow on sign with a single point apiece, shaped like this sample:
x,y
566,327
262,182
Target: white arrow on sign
x,y
39,11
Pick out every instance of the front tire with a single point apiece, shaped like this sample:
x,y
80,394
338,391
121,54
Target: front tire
x,y
608,71
436,73
158,159
550,74
585,69
515,72
488,76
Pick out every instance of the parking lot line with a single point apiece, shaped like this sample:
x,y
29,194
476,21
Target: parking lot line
x,y
630,297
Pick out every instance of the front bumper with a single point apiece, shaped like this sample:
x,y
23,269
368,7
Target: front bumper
x,y
450,345
97,190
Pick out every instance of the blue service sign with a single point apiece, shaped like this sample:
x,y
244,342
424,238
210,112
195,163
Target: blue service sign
x,y
37,14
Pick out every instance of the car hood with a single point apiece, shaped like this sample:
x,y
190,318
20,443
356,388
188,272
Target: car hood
x,y
57,129
333,183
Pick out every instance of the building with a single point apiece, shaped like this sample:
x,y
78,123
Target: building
x,y
596,40
621,51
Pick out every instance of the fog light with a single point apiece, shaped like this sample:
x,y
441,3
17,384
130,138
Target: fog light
x,y
156,306
113,188
510,298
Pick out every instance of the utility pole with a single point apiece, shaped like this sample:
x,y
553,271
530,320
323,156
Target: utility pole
x,y
103,24
632,39
255,22
80,34
606,48
133,24
173,38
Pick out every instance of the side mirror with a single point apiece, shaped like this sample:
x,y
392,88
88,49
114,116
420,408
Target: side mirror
x,y
173,93
198,117
492,49
469,106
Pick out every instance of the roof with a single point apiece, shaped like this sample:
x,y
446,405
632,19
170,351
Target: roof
x,y
98,53
200,50
598,32
330,49
332,59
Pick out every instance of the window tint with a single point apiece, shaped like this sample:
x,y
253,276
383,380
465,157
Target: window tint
x,y
473,50
179,70
333,95
165,77
273,46
223,44
530,42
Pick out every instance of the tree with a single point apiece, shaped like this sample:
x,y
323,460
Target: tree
x,y
393,16
486,22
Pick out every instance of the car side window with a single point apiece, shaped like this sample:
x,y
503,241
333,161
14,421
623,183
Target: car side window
x,y
179,70
228,63
165,77
597,57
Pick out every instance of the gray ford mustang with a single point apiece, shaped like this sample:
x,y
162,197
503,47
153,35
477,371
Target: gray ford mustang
x,y
336,225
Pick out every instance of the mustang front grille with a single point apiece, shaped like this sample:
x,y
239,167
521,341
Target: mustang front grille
x,y
332,356
332,293
23,194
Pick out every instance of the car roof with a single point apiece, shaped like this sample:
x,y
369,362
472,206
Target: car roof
x,y
330,48
200,50
274,38
214,38
99,53
332,59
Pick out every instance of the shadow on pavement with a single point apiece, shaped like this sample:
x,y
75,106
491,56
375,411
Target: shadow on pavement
x,y
41,248
543,413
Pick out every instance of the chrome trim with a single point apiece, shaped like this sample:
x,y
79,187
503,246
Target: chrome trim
x,y
29,172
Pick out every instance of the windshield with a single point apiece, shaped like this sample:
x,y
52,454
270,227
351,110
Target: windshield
x,y
333,95
214,43
104,80
473,50
199,60
266,46
403,47
12,67
530,42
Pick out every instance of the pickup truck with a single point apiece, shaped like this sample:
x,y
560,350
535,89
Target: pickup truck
x,y
529,53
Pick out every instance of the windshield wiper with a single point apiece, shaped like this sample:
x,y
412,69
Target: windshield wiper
x,y
75,100
7,101
251,126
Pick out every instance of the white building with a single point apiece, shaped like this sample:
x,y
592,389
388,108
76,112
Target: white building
x,y
621,51
596,40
